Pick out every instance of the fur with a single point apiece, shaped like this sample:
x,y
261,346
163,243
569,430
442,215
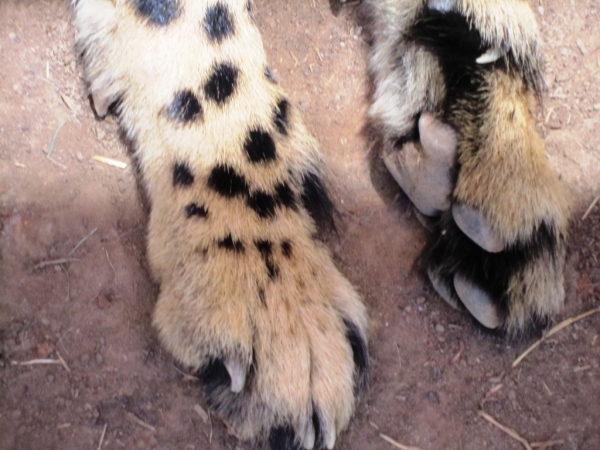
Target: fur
x,y
424,61
248,296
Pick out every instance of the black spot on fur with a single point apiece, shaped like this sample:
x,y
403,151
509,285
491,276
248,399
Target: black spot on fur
x,y
262,297
260,147
222,83
270,75
286,249
285,196
266,251
218,22
182,175
283,438
452,252
360,353
281,116
159,12
316,201
227,182
185,107
195,210
263,204
231,244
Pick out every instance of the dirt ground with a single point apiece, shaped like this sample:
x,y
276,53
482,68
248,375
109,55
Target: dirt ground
x,y
432,369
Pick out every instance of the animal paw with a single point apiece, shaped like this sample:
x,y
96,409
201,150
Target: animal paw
x,y
277,337
499,247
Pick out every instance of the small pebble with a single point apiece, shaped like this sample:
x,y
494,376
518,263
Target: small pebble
x,y
79,156
99,359
597,106
12,36
439,328
420,300
433,397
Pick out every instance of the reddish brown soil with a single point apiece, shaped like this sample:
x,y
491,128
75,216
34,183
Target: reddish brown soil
x,y
432,369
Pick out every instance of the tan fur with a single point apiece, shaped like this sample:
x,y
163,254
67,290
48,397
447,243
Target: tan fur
x,y
209,303
509,180
505,175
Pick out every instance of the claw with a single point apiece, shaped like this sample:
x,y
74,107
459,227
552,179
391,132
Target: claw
x,y
237,373
442,5
329,435
478,302
477,228
309,437
493,54
100,103
442,288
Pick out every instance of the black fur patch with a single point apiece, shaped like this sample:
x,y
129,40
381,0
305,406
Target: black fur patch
x,y
457,45
217,388
452,252
360,353
266,251
185,107
222,83
182,175
262,297
230,244
316,201
193,209
319,438
159,12
260,147
281,116
270,75
218,22
286,249
262,204
285,196
283,438
227,182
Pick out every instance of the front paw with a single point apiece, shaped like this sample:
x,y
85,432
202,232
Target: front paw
x,y
279,343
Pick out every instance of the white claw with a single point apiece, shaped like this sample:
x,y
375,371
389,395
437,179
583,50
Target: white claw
x,y
309,437
237,373
478,302
492,55
442,5
329,435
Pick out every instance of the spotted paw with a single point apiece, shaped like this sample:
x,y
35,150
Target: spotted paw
x,y
249,297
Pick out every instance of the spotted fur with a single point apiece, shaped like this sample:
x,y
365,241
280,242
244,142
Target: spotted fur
x,y
424,61
248,297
